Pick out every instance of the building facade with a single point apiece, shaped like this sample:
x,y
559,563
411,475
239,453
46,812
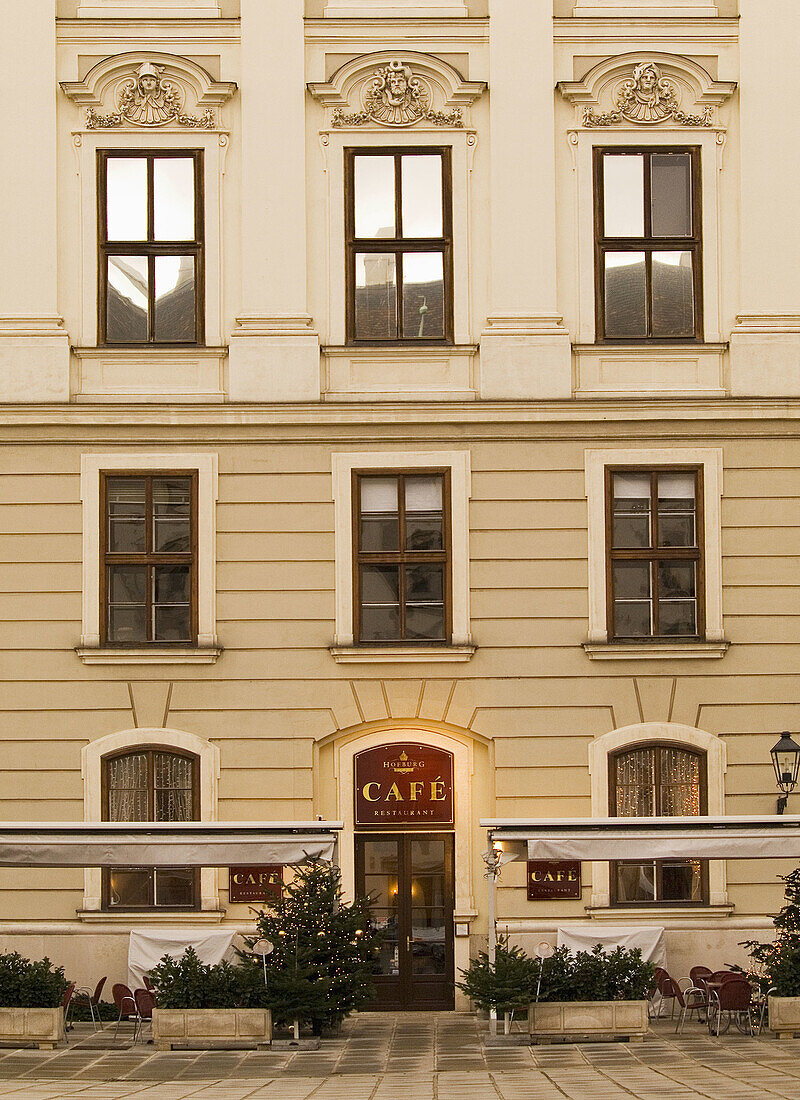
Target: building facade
x,y
399,417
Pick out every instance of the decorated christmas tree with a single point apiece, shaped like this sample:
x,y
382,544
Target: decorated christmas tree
x,y
776,965
323,949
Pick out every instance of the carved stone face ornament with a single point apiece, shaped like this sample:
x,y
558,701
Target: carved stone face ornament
x,y
395,96
647,96
149,100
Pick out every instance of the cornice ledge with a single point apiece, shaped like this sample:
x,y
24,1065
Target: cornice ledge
x,y
401,654
188,655
655,651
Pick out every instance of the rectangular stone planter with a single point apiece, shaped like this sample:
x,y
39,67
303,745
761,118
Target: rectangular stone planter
x,y
549,1020
784,1016
43,1026
244,1026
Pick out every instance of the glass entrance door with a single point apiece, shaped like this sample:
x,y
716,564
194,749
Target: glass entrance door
x,y
410,880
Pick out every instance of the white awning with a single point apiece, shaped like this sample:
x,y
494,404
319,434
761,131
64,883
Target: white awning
x,y
167,844
767,837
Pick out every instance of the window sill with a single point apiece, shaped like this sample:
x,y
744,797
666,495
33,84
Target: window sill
x,y
395,654
151,916
659,913
654,651
180,655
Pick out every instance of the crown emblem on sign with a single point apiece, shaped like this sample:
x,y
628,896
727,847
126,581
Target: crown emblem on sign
x,y
403,761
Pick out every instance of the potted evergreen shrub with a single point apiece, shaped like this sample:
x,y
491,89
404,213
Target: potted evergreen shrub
x,y
31,1001
503,987
199,1003
776,965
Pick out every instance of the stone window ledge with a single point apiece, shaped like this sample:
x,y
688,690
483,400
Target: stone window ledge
x,y
652,651
146,655
660,913
135,918
400,654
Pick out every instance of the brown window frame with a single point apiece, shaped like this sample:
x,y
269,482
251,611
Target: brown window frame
x,y
150,751
654,746
655,553
150,248
399,245
648,243
148,558
403,557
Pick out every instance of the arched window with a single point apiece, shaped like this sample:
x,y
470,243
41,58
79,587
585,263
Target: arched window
x,y
658,780
151,784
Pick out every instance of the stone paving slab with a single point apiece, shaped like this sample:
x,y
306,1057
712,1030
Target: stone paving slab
x,y
419,1056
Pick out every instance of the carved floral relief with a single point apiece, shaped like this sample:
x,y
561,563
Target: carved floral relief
x,y
148,98
647,97
397,96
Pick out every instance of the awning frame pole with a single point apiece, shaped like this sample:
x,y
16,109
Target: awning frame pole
x,y
491,857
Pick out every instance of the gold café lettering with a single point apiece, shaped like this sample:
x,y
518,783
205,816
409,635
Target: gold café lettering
x,y
406,782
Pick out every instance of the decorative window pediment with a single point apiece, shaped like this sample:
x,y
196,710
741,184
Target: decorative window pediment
x,y
149,90
397,90
645,89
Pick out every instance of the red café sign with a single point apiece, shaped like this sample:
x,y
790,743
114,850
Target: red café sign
x,y
261,883
551,880
404,784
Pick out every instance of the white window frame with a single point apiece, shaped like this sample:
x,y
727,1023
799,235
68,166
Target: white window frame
x,y
205,465
458,463
709,459
92,756
715,751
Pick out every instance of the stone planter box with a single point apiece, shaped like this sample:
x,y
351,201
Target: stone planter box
x,y
43,1026
784,1016
243,1026
549,1020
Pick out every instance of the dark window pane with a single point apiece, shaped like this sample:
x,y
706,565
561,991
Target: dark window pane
x,y
636,882
129,887
625,295
374,196
172,505
380,624
173,584
632,580
424,516
173,198
379,519
175,299
676,579
424,583
678,617
126,199
126,523
423,295
172,611
632,619
380,611
376,296
425,623
172,624
671,194
682,880
127,610
623,207
174,886
673,294
173,805
421,177
126,300
631,510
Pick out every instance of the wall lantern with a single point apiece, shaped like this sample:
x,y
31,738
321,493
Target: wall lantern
x,y
786,761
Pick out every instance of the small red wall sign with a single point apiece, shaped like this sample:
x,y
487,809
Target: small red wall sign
x,y
550,880
404,784
255,884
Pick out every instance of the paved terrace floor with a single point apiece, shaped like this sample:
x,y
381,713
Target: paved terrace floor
x,y
416,1056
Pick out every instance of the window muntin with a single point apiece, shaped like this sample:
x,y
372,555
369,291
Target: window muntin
x,y
654,562
658,781
399,246
648,244
150,785
150,215
148,558
402,557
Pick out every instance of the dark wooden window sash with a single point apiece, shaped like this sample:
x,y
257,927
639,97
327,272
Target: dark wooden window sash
x,y
655,553
149,558
612,812
398,245
151,248
402,557
150,751
648,244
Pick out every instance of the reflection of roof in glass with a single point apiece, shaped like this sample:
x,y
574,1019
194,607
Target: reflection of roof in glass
x,y
673,299
376,303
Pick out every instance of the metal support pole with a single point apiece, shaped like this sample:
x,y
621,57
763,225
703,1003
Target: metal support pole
x,y
491,858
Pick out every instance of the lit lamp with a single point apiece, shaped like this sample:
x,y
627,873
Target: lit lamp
x,y
786,761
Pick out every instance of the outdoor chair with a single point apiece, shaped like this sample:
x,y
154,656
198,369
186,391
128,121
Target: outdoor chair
x,y
695,998
148,984
668,990
723,976
126,1005
65,1003
734,998
90,999
699,975
763,1008
145,1003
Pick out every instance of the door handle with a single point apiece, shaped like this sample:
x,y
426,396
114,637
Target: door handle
x,y
408,943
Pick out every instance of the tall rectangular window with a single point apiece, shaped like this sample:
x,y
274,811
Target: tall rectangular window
x,y
402,557
648,244
148,570
399,246
653,558
150,232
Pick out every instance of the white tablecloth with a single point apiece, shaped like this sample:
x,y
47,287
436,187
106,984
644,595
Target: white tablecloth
x,y
146,949
583,937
